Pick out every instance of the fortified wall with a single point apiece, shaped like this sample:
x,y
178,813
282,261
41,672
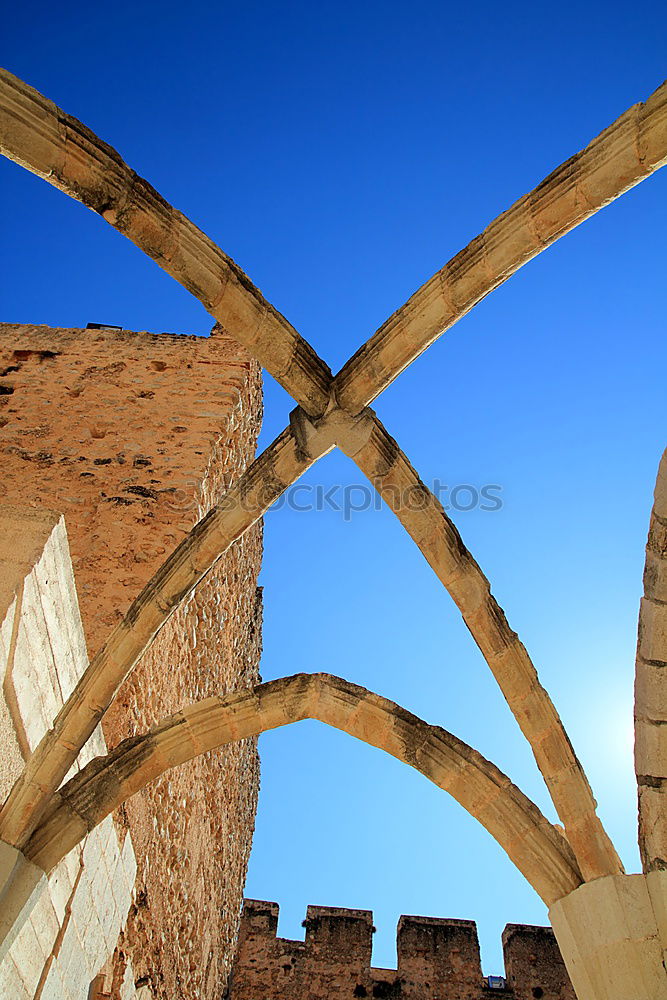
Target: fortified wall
x,y
133,437
438,959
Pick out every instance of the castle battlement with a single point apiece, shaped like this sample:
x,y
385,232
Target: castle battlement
x,y
438,959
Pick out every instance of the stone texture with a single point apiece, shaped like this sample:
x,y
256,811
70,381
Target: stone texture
x,y
536,847
612,935
134,437
55,146
437,958
21,885
534,964
651,688
60,149
62,931
130,436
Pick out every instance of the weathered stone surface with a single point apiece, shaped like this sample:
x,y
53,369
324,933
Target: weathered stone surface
x,y
131,436
59,148
436,958
534,964
536,847
134,437
52,144
651,688
54,936
612,936
21,885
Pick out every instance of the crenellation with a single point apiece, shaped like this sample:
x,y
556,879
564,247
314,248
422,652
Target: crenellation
x,y
439,953
331,930
438,958
533,963
260,917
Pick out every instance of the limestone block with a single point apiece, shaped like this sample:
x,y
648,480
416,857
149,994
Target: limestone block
x,y
29,957
83,903
33,656
106,906
652,826
21,885
45,923
651,692
611,940
656,886
94,941
61,884
94,846
650,748
120,889
111,847
60,611
655,575
70,949
653,631
54,987
73,861
11,758
74,965
615,163
11,984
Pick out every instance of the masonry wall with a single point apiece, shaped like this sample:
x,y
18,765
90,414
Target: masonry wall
x,y
133,437
438,959
76,922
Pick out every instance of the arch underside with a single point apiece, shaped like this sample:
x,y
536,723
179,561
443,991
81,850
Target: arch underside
x,y
41,137
535,846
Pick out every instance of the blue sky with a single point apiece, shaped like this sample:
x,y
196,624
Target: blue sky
x,y
341,153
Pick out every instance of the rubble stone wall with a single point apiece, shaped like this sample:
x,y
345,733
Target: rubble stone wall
x,y
437,958
134,436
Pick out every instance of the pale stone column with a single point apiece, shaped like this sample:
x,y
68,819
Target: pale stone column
x,y
21,885
612,933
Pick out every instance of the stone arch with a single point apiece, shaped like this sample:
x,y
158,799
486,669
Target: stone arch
x,y
52,144
535,846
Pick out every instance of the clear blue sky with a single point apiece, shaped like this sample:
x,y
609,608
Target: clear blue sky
x,y
341,153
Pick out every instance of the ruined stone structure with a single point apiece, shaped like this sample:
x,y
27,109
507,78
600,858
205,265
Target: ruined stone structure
x,y
611,927
74,926
133,437
437,959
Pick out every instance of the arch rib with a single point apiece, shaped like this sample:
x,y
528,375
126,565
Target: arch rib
x,y
280,465
59,148
536,847
629,150
650,689
423,517
52,144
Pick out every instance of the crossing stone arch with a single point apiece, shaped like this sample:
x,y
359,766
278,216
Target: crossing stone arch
x,y
334,411
536,847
